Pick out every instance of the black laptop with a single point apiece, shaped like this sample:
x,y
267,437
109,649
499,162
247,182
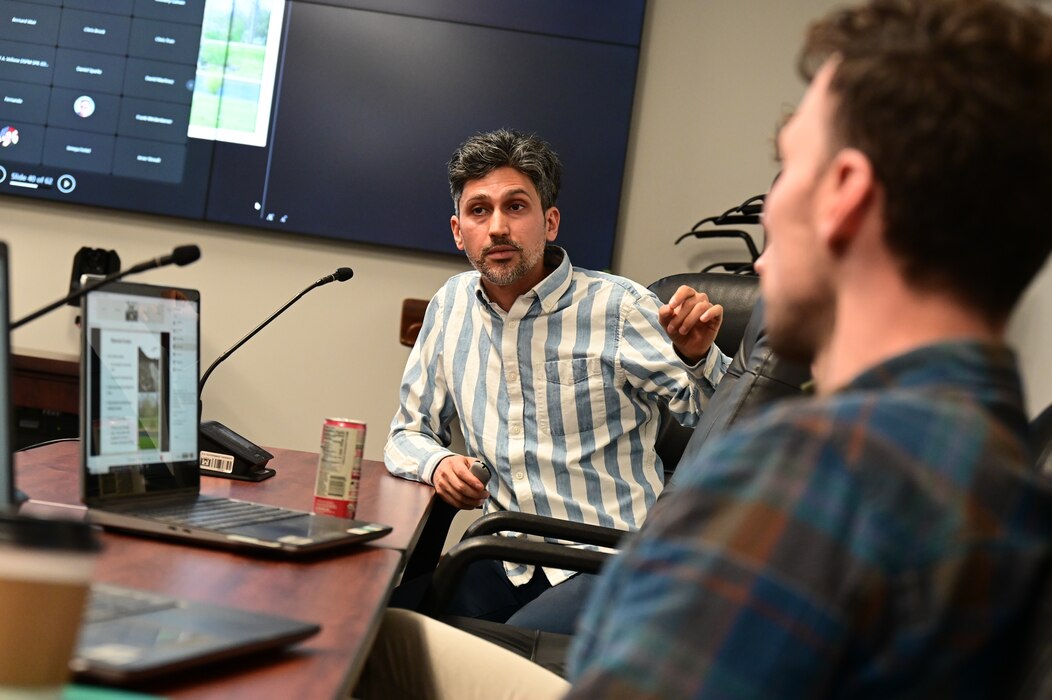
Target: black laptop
x,y
127,634
140,359
130,635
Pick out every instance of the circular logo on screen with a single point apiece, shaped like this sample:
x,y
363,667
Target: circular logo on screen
x,y
84,106
8,136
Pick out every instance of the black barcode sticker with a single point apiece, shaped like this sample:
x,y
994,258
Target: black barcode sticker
x,y
217,462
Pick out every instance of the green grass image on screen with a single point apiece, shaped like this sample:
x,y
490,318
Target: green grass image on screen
x,y
148,437
226,95
149,421
230,67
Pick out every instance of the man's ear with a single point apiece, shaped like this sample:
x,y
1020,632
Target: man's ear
x,y
454,223
551,224
848,189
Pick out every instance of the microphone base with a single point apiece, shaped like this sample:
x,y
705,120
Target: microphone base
x,y
227,455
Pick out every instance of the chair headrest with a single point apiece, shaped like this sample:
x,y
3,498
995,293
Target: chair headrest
x,y
736,293
1041,441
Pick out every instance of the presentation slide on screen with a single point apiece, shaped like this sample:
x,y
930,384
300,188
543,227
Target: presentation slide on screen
x,y
119,90
307,116
236,70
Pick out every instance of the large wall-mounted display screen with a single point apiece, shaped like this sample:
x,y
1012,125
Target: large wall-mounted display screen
x,y
327,118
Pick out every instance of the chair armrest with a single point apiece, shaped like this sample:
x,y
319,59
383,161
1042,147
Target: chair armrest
x,y
520,551
541,526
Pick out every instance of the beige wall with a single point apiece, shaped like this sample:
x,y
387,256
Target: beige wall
x,y
714,78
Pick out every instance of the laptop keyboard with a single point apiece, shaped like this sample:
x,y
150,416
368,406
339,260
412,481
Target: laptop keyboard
x,y
111,602
218,514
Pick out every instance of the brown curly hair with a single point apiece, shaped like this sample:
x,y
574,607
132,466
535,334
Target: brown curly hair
x,y
951,100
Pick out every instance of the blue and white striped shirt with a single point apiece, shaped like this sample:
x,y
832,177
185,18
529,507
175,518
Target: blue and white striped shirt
x,y
559,396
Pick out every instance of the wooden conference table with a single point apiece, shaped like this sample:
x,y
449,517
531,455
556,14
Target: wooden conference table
x,y
345,592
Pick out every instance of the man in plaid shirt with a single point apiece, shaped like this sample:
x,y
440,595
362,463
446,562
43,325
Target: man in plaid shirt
x,y
882,538
879,539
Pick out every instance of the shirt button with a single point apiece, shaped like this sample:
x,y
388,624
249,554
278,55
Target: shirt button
x,y
514,428
519,476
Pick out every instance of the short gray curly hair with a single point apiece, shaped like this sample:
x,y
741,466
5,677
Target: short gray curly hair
x,y
483,153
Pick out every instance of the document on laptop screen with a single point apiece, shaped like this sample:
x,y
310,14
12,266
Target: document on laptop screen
x,y
142,383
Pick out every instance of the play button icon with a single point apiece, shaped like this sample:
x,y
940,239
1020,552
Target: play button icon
x,y
66,183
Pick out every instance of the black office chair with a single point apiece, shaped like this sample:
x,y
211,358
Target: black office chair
x,y
1041,441
746,213
738,294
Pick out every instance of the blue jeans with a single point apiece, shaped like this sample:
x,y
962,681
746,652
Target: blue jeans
x,y
485,593
556,609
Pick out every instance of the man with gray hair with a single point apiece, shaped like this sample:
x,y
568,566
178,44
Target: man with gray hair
x,y
556,374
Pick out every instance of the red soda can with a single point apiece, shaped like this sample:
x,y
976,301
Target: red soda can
x,y
339,467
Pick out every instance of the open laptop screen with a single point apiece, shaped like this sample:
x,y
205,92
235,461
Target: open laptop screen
x,y
139,390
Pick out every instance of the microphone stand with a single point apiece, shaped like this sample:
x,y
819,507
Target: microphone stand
x,y
232,455
252,333
183,255
245,460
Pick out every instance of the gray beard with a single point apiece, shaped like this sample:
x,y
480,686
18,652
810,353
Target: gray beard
x,y
504,275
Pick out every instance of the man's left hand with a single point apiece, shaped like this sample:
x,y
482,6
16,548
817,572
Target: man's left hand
x,y
691,322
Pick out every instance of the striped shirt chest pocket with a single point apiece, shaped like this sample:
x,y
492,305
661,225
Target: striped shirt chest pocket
x,y
572,399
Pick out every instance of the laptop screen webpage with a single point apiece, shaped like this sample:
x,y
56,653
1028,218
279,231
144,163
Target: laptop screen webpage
x,y
139,393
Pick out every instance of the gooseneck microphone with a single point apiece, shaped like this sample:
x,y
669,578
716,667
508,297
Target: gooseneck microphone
x,y
182,255
224,453
341,275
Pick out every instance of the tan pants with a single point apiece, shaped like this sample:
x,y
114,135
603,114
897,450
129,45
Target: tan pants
x,y
418,658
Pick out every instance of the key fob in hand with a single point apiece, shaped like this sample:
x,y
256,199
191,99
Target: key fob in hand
x,y
481,472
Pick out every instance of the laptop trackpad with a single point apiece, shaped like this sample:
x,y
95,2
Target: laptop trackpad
x,y
309,529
